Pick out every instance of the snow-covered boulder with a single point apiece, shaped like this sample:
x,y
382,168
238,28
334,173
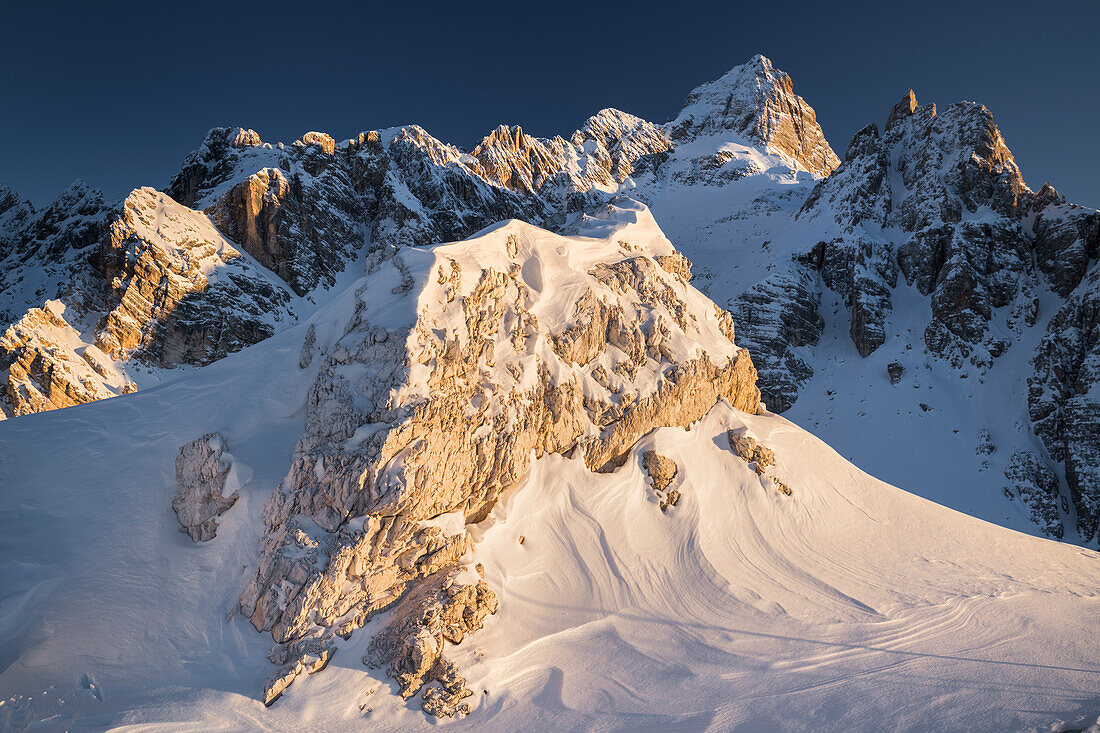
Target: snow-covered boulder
x,y
202,467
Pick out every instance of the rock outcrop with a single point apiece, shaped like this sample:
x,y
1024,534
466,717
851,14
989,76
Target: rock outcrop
x,y
442,609
1064,407
145,280
662,470
202,468
432,401
759,457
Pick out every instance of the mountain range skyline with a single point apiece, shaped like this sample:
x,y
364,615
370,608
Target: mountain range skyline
x,y
148,83
700,420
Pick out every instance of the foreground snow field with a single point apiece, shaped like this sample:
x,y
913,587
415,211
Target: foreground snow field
x,y
848,605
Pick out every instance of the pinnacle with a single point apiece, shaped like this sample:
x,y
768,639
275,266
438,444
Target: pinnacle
x,y
904,108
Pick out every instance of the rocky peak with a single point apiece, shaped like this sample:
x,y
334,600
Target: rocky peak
x,y
509,138
415,136
237,137
433,398
8,199
510,158
15,212
633,144
865,142
211,163
757,101
1046,196
321,139
904,108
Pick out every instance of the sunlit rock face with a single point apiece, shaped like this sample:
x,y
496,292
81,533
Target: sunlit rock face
x,y
291,207
432,400
146,281
757,101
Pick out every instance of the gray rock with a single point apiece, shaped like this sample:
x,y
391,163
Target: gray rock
x,y
662,470
895,370
759,457
1033,482
201,470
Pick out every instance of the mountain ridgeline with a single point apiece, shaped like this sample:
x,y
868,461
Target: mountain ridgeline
x,y
99,299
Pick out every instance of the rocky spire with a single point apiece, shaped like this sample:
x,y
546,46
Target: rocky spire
x,y
757,101
904,108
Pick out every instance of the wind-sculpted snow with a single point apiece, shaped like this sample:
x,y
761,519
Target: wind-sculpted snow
x,y
737,608
433,400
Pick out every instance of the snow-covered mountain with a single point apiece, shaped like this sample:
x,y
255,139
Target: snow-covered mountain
x,y
948,273
489,445
522,480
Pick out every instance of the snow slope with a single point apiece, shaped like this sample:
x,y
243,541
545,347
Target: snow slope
x,y
848,605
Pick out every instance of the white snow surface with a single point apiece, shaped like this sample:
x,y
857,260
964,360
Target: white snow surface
x,y
849,605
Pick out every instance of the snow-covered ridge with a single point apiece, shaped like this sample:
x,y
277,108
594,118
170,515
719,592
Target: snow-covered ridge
x,y
311,211
433,399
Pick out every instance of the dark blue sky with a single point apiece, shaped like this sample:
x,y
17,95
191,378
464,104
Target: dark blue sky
x,y
119,93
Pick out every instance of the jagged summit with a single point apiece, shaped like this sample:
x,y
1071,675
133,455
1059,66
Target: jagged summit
x,y
757,100
936,208
904,108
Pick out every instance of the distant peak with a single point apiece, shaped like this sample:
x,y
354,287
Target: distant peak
x,y
9,199
505,137
757,101
761,61
904,108
610,123
324,140
236,137
78,191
